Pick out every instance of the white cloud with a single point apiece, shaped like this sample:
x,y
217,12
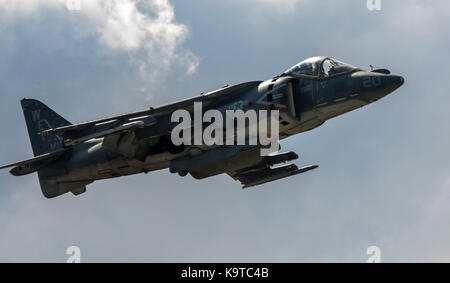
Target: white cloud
x,y
151,38
281,6
420,19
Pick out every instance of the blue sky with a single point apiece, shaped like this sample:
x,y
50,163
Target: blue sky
x,y
384,173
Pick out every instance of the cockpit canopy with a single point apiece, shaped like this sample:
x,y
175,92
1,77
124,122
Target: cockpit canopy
x,y
319,67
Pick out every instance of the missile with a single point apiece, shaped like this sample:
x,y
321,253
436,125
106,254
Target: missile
x,y
279,158
273,174
268,161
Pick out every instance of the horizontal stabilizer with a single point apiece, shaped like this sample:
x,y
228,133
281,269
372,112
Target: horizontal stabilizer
x,y
32,165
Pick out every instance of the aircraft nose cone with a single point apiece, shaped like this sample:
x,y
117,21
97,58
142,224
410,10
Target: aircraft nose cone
x,y
392,82
374,86
398,80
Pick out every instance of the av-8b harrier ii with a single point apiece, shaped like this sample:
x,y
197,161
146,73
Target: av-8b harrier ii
x,y
69,157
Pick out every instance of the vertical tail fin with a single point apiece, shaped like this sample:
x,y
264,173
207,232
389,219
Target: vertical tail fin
x,y
40,118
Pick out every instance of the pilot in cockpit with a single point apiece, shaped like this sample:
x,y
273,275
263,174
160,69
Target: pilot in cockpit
x,y
319,67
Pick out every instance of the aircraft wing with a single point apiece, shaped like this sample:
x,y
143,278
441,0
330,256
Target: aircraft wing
x,y
140,115
120,131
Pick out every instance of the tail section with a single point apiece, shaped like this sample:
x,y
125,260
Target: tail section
x,y
39,118
46,149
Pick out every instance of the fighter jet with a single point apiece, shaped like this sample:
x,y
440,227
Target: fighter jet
x,y
69,157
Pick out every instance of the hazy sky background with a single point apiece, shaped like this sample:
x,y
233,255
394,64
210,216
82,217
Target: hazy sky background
x,y
384,175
